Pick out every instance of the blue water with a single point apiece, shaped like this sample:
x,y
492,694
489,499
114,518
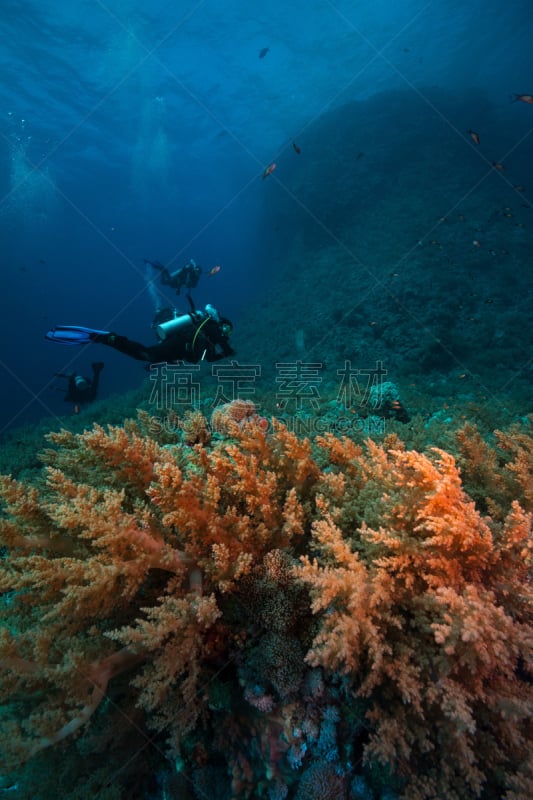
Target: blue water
x,y
133,129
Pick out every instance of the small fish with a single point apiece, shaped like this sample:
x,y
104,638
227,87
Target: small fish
x,y
296,148
519,188
213,271
76,409
524,98
476,243
263,52
269,170
499,166
475,136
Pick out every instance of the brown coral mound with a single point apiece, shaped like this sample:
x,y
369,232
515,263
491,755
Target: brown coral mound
x,y
321,782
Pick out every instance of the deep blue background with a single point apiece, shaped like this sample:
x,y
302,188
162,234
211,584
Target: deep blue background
x,y
131,130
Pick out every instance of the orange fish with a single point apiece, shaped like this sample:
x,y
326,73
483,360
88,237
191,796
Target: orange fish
x,y
296,148
269,170
475,136
213,271
525,98
76,409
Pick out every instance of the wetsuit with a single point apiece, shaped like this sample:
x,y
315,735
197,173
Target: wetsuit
x,y
83,390
205,342
188,276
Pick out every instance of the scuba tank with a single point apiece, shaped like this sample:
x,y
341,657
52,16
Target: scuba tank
x,y
183,322
177,324
81,383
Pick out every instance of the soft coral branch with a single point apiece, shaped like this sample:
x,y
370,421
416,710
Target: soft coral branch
x,y
128,541
417,609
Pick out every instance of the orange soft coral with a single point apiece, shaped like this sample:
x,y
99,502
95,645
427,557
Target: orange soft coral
x,y
128,541
417,609
498,473
155,567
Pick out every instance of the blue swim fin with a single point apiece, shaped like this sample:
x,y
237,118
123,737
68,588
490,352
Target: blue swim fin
x,y
73,334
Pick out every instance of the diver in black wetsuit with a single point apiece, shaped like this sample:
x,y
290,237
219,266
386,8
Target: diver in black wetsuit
x,y
193,337
198,338
81,389
186,277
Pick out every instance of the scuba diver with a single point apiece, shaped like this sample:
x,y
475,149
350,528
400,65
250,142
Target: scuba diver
x,y
193,337
81,389
187,276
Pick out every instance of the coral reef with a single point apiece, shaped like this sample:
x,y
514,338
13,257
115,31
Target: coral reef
x,y
426,607
229,417
278,617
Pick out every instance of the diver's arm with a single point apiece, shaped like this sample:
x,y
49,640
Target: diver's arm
x,y
219,351
97,367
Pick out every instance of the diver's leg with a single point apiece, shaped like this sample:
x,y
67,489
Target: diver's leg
x,y
124,345
165,274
